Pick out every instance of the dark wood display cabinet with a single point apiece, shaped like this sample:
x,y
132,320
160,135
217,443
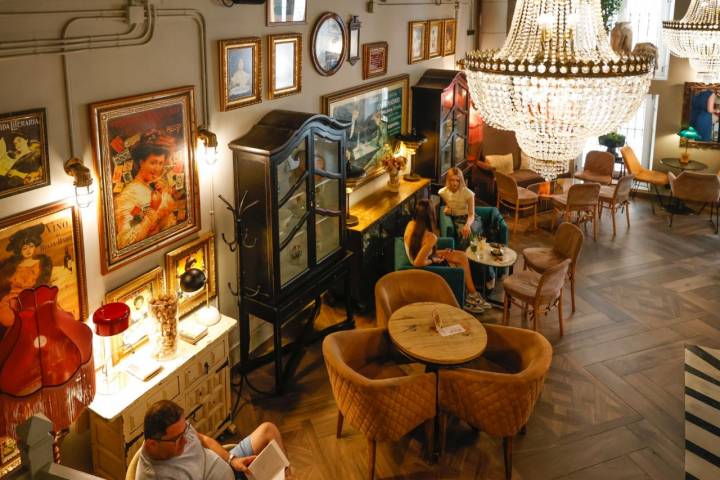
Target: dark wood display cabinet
x,y
293,240
440,112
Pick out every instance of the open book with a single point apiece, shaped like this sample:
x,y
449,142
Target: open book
x,y
270,464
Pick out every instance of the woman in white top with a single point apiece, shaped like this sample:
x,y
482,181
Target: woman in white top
x,y
460,207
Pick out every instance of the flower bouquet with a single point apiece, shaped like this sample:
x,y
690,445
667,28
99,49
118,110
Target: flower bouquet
x,y
394,165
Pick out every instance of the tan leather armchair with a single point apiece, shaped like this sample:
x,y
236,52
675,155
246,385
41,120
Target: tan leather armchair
x,y
653,179
702,188
374,394
568,244
598,167
397,289
499,403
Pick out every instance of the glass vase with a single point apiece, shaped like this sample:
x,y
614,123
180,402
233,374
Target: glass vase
x,y
163,310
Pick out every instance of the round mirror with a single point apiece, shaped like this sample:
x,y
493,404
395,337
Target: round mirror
x,y
329,43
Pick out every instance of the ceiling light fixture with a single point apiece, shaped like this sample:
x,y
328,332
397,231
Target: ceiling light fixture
x,y
697,37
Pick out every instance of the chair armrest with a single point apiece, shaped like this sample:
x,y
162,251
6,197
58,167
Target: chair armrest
x,y
446,242
484,166
455,278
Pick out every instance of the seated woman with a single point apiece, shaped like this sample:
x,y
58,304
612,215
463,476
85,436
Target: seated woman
x,y
420,241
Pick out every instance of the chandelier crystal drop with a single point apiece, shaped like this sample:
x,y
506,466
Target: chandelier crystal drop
x,y
556,82
697,37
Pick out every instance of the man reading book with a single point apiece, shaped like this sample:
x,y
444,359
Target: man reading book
x,y
174,450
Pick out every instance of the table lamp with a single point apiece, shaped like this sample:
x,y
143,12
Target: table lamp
x,y
688,133
408,145
46,365
110,320
192,280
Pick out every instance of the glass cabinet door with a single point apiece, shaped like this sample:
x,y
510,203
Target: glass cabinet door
x,y
446,158
459,150
327,197
292,182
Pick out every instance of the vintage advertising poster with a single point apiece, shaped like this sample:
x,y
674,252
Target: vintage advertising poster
x,y
23,152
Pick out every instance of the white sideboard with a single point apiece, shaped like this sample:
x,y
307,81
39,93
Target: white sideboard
x,y
197,379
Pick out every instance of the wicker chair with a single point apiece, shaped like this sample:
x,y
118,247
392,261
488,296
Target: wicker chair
x,y
568,243
499,403
516,198
397,289
598,168
582,199
376,396
642,175
702,188
131,471
532,290
617,197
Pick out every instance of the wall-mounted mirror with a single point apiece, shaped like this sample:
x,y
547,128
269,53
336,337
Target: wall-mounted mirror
x,y
701,109
329,44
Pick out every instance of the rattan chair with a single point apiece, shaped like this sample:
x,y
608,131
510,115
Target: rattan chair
x,y
534,291
516,198
499,403
651,178
568,244
376,396
397,289
581,199
598,168
617,197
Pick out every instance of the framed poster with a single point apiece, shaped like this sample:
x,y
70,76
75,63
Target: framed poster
x,y
135,294
284,64
375,57
23,152
435,38
449,32
417,41
198,254
376,112
240,74
285,12
43,246
145,155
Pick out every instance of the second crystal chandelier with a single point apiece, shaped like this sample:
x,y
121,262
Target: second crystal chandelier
x,y
697,37
556,82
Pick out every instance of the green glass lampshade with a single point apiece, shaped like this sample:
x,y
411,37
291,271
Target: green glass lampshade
x,y
689,133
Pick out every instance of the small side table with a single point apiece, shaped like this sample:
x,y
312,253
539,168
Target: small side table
x,y
693,165
484,257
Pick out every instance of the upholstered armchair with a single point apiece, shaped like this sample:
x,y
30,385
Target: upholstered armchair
x,y
651,178
495,228
374,395
598,167
397,289
454,276
499,402
702,188
517,198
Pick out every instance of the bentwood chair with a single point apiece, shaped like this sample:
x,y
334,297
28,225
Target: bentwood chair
x,y
534,291
375,395
598,168
617,197
568,244
702,188
498,402
651,178
516,198
131,471
581,199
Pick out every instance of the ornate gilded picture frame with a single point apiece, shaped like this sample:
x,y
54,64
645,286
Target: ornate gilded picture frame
x,y
198,254
285,12
375,57
696,96
328,44
449,36
435,38
417,41
240,72
284,64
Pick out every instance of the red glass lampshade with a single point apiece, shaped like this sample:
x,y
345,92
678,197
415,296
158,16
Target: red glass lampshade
x,y
111,319
46,363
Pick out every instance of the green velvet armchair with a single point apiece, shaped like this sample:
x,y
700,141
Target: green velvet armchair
x,y
454,276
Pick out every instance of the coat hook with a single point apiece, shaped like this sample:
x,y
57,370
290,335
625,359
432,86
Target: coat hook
x,y
231,245
232,290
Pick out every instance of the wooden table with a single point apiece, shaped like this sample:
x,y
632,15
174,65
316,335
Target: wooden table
x,y
690,165
412,330
484,257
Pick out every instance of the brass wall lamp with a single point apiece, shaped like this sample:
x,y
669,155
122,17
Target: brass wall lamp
x,y
84,191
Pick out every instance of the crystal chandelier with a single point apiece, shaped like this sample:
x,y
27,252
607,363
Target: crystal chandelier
x,y
556,82
697,36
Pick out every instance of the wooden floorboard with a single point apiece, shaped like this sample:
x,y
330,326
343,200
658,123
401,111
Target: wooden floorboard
x,y
612,407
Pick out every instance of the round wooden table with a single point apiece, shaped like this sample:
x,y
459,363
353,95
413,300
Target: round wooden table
x,y
412,330
690,165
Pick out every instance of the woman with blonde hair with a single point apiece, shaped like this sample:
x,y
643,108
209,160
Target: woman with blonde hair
x,y
459,203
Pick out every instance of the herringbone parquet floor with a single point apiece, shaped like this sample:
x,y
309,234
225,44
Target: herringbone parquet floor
x,y
612,407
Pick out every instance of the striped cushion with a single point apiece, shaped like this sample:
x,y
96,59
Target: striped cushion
x,y
702,413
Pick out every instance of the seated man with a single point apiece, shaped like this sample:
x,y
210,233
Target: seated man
x,y
174,450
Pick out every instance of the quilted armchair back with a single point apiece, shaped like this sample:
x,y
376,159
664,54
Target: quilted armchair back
x,y
384,409
499,403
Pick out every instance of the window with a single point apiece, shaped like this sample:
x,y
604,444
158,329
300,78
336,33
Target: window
x,y
646,24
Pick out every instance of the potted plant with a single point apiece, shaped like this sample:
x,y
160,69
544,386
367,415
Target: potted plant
x,y
612,141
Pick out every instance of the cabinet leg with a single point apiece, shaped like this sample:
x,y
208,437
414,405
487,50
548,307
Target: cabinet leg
x,y
277,343
244,338
348,299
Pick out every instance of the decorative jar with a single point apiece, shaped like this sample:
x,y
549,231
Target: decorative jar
x,y
163,309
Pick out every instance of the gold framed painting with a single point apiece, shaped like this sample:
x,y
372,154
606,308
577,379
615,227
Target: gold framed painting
x,y
435,38
417,41
145,156
449,35
43,246
136,294
285,12
240,73
375,57
198,254
23,152
284,64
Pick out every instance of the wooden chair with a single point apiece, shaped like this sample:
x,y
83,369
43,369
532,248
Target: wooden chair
x,y
617,197
516,198
598,168
533,291
131,471
498,403
568,244
376,396
397,289
651,178
702,188
581,199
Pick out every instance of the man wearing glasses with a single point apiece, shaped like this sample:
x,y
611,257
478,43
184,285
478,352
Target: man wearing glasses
x,y
174,450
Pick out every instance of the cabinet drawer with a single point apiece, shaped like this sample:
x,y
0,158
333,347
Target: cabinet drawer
x,y
134,416
205,362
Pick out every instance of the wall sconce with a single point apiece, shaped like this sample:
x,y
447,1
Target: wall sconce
x,y
207,144
350,220
84,191
408,145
